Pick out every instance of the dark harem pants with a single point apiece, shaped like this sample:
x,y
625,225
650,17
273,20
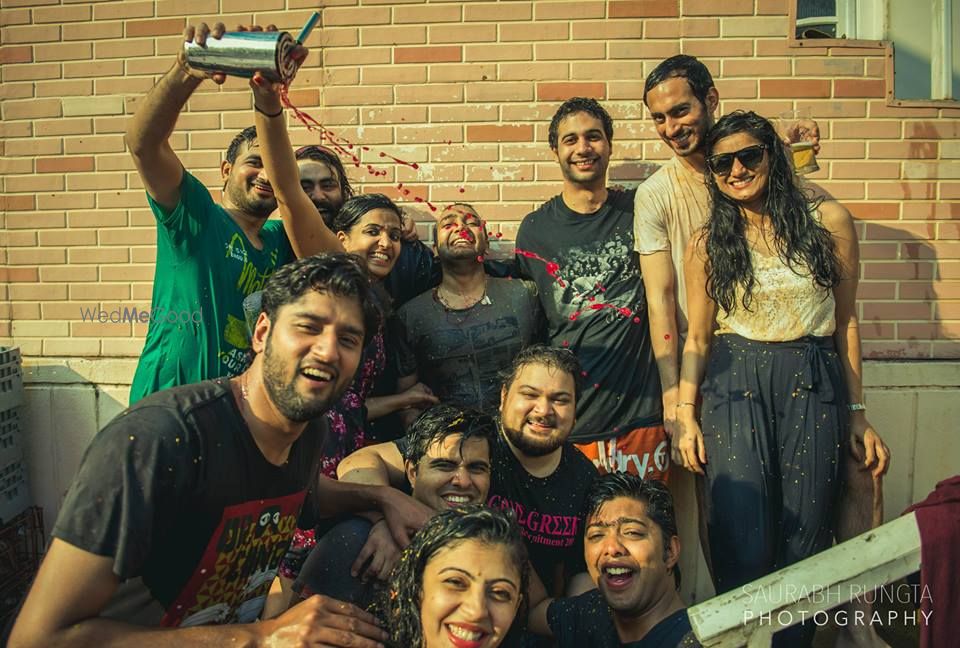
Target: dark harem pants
x,y
774,422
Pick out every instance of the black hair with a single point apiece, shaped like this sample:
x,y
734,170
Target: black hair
x,y
553,357
326,156
577,105
685,67
654,495
440,421
354,209
337,274
802,243
399,604
247,136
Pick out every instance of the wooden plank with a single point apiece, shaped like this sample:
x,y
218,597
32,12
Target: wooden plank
x,y
749,615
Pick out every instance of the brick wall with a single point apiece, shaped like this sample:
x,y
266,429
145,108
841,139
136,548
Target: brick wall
x,y
466,90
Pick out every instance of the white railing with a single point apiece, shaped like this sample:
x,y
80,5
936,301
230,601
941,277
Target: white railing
x,y
748,616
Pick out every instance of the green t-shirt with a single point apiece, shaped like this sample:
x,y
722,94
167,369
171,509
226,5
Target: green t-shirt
x,y
205,267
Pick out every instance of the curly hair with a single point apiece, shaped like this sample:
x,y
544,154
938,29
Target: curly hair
x,y
399,604
801,242
577,105
337,274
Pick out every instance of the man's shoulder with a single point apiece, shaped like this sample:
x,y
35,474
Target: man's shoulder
x,y
578,463
172,408
545,211
511,288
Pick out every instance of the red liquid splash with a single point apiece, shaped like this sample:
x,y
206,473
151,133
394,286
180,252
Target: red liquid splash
x,y
345,147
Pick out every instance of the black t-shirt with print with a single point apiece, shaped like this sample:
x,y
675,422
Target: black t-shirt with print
x,y
587,271
549,510
587,620
195,519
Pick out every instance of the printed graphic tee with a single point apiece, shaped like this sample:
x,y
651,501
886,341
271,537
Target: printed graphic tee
x,y
205,267
587,272
549,510
177,493
586,620
459,353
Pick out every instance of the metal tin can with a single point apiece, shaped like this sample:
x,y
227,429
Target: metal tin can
x,y
243,53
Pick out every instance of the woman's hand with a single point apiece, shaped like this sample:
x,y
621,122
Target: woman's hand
x,y
266,93
867,447
688,443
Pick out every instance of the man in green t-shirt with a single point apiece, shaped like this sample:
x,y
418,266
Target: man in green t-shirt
x,y
209,255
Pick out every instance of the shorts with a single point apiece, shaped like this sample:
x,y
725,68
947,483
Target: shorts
x,y
641,451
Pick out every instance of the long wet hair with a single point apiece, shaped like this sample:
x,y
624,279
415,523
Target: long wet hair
x,y
801,242
399,604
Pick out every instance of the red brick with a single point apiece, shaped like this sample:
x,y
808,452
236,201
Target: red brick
x,y
23,275
155,27
567,10
644,9
896,311
699,27
442,54
504,133
18,202
17,54
903,150
897,270
901,190
794,88
859,88
563,91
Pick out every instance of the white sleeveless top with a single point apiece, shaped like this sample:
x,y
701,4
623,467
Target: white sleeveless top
x,y
786,305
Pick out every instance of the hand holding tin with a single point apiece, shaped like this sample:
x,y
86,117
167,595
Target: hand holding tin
x,y
198,36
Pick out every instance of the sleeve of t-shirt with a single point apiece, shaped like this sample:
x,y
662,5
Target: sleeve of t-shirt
x,y
521,263
533,303
186,219
132,475
650,220
404,357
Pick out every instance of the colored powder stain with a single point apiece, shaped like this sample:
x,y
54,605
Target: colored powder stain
x,y
499,234
636,320
462,190
583,374
666,337
596,385
574,316
565,344
479,258
552,268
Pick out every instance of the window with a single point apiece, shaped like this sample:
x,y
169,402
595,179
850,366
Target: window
x,y
925,37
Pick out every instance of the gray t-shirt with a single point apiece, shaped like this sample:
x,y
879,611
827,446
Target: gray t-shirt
x,y
459,353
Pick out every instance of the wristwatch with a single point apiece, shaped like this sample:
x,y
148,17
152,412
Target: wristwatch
x,y
856,407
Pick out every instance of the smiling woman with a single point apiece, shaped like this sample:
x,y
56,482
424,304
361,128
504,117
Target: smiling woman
x,y
460,583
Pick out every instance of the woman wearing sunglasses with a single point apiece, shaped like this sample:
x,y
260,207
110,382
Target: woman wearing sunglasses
x,y
772,283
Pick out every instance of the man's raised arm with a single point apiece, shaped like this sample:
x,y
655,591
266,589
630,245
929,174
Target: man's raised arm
x,y
148,131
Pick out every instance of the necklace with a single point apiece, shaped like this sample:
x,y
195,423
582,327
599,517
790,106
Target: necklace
x,y
454,314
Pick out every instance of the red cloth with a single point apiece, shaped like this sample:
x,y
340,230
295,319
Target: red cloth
x,y
938,518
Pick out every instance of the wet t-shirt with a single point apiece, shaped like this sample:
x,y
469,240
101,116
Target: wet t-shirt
x,y
195,519
587,272
205,267
459,354
587,620
669,207
549,510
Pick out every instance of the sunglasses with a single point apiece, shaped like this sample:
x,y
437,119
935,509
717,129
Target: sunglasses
x,y
750,157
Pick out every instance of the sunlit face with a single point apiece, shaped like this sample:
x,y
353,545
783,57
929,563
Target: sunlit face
x,y
311,353
471,593
460,234
246,186
626,558
321,184
375,238
681,120
452,473
539,409
743,184
583,150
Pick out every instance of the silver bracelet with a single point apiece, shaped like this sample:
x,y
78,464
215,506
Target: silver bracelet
x,y
857,407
